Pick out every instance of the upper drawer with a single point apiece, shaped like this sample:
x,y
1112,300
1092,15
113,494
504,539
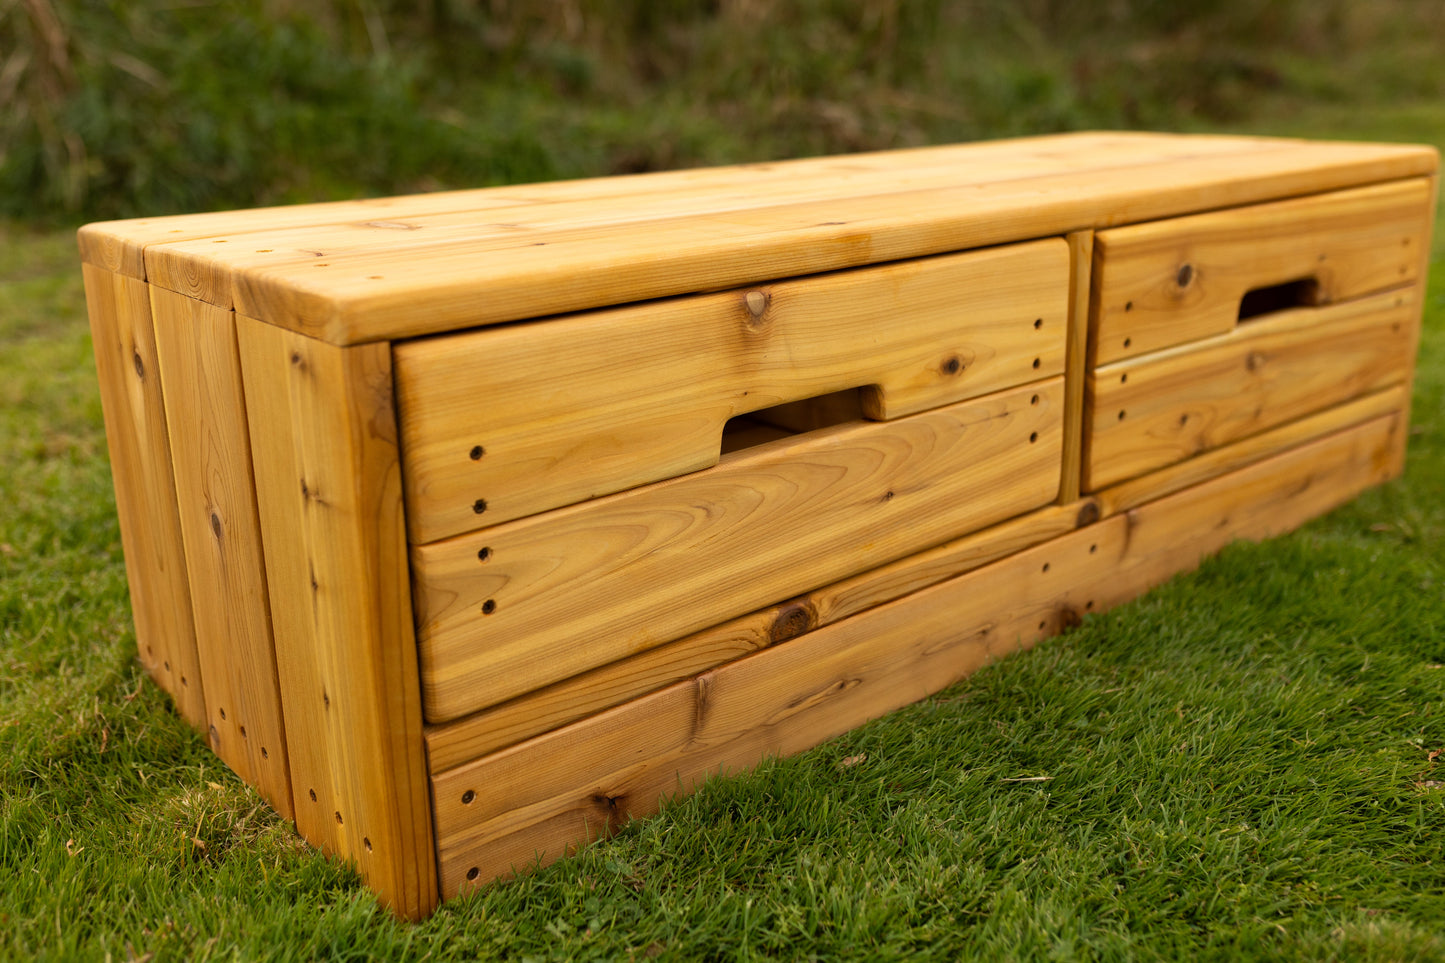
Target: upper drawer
x,y
501,423
1169,282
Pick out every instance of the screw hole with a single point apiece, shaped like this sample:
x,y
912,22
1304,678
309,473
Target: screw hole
x,y
1124,378
366,841
468,797
473,873
313,795
1041,625
1037,363
1128,341
264,753
184,682
479,506
167,665
1046,566
222,711
1034,400
1121,416
489,606
1089,604
1033,437
477,452
243,732
338,818
483,554
1128,306
1093,549
1038,323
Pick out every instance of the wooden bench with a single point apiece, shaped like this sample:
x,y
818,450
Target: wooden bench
x,y
469,525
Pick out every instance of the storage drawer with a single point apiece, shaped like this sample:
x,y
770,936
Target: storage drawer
x,y
502,423
1167,283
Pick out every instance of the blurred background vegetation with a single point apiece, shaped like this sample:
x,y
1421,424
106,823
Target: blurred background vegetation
x,y
129,107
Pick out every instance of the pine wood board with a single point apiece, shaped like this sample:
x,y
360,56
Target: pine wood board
x,y
211,456
145,494
522,605
473,274
1170,282
543,797
1149,412
567,701
119,246
525,418
1240,454
323,438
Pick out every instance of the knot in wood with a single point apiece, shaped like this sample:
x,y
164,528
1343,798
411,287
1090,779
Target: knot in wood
x,y
1255,361
757,303
793,620
1185,275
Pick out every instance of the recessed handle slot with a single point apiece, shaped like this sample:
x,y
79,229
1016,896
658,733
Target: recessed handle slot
x,y
793,418
1302,293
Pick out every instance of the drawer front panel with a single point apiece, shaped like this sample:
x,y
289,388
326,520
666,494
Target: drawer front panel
x,y
513,608
1170,282
1151,412
508,422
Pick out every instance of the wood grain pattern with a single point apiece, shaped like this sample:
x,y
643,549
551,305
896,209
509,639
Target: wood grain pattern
x,y
211,455
410,283
531,417
538,799
1240,454
556,705
119,246
513,608
1171,282
1423,273
1081,256
145,493
1156,410
323,436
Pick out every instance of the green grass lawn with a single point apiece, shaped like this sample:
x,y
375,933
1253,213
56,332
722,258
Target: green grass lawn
x,y
1241,764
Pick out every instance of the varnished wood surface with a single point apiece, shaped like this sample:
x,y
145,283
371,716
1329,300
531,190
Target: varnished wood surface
x,y
1148,412
351,280
529,417
513,608
537,712
145,491
1170,282
323,438
538,799
211,455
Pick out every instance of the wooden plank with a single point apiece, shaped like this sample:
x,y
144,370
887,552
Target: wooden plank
x,y
525,604
1081,255
530,417
1170,282
323,436
496,728
469,275
1156,410
1218,461
119,246
211,454
145,494
536,800
1423,273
